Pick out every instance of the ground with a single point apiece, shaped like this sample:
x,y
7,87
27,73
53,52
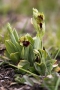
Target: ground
x,y
7,81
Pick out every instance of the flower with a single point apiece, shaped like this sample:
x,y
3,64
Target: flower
x,y
38,22
24,41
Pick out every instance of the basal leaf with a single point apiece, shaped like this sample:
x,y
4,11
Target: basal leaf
x,y
24,80
14,57
28,81
11,33
24,64
31,55
10,47
16,35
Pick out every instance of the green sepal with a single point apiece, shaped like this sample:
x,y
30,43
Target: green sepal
x,y
30,39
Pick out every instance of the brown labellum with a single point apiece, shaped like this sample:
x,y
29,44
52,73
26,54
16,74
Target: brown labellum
x,y
26,43
40,25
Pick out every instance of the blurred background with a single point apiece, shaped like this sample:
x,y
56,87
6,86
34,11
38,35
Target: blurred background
x,y
19,12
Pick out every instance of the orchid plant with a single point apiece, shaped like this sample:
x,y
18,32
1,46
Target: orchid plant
x,y
27,54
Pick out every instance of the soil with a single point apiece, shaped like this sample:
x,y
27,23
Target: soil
x,y
7,81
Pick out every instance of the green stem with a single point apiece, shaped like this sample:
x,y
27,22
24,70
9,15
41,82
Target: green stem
x,y
36,76
38,35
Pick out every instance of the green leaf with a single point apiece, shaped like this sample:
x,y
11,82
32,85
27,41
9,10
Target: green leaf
x,y
40,68
14,38
52,83
48,83
19,79
26,53
14,57
16,35
32,69
54,52
31,55
10,47
28,81
11,33
7,54
24,80
49,65
24,64
19,48
43,56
